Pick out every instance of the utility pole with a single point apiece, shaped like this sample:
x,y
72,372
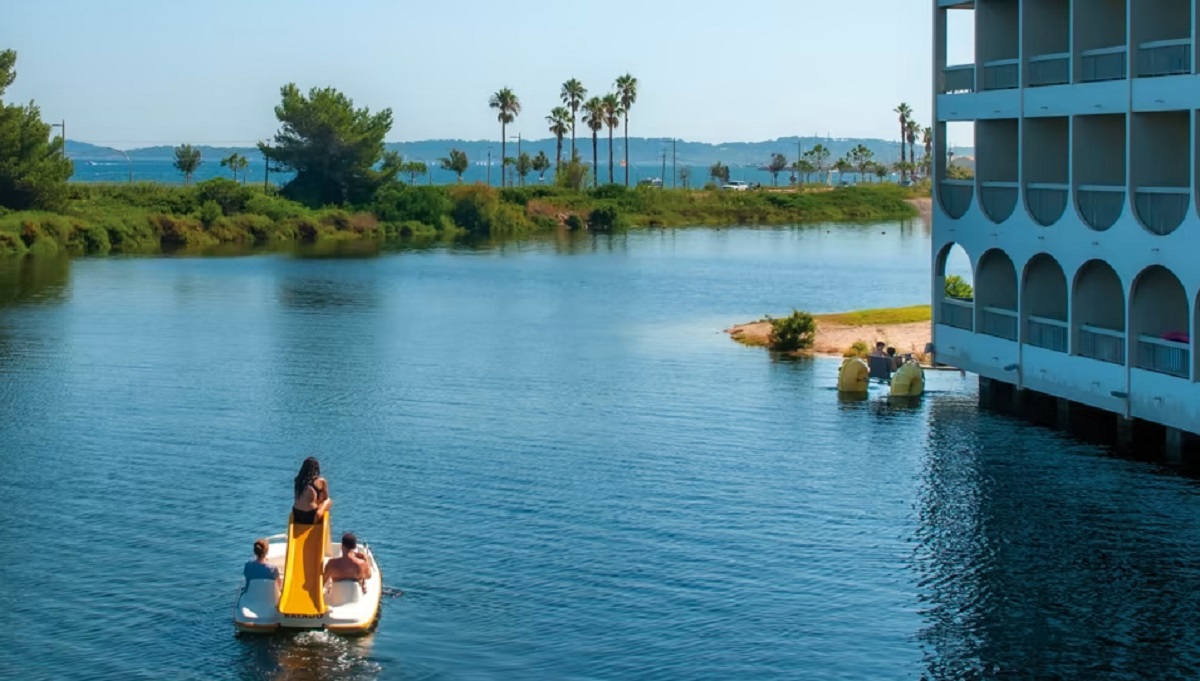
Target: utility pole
x,y
674,173
661,181
266,166
489,166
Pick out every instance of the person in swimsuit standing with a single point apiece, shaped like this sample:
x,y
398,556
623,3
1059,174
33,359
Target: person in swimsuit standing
x,y
312,494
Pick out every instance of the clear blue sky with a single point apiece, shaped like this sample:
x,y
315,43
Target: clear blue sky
x,y
131,73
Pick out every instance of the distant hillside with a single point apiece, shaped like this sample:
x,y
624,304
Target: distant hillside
x,y
642,151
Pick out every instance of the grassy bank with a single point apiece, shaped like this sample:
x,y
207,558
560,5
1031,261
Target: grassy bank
x,y
849,333
878,317
150,218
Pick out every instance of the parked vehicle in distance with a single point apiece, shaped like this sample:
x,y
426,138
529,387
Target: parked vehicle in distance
x,y
736,185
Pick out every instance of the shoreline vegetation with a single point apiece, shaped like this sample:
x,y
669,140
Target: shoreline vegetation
x,y
907,329
148,218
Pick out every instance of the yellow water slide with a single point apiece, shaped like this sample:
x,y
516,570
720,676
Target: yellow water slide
x,y
303,592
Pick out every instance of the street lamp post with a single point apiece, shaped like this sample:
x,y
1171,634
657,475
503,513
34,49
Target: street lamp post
x,y
518,156
489,170
63,127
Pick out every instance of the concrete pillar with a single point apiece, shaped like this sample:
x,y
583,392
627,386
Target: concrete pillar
x,y
1173,446
1018,400
987,394
1063,413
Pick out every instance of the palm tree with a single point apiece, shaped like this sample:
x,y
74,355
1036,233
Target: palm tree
x,y
912,129
242,164
508,107
187,159
612,118
627,87
881,171
559,119
593,115
904,111
778,163
927,140
805,168
572,95
540,165
456,162
524,166
412,169
862,158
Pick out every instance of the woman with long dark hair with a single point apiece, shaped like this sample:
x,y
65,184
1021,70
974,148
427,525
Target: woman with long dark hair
x,y
312,494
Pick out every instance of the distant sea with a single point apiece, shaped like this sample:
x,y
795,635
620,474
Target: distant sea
x,y
162,170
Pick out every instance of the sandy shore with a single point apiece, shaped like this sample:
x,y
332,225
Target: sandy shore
x,y
835,339
924,205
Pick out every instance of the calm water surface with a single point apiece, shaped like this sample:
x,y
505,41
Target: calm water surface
x,y
566,467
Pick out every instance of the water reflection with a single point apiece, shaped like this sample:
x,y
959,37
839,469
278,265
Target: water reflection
x,y
34,280
1083,569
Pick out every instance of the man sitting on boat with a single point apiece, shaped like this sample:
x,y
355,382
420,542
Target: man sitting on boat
x,y
352,565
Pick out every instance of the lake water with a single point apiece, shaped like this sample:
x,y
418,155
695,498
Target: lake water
x,y
564,464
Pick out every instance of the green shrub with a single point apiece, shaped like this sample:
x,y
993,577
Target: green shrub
x,y
210,212
857,349
229,195
274,207
957,287
574,222
475,208
795,332
401,203
604,218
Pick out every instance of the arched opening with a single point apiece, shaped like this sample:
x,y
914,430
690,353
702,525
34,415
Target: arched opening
x,y
996,295
1099,178
1160,168
1098,321
955,171
1044,304
1159,319
954,290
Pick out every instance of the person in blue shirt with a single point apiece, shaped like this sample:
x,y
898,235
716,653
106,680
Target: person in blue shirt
x,y
259,568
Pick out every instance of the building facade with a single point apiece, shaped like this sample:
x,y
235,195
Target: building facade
x,y
1081,224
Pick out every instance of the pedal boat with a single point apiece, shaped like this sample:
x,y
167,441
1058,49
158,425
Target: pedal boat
x,y
303,602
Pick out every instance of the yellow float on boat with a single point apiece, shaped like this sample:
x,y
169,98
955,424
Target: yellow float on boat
x,y
852,376
908,381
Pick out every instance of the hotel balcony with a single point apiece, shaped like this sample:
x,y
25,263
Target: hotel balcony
x,y
958,79
997,143
1002,74
1099,163
1161,168
996,296
1046,155
1159,315
1047,38
1100,41
956,196
1099,308
1044,297
1162,32
958,312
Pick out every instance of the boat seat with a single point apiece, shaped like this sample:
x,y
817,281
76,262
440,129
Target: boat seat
x,y
259,598
881,368
344,592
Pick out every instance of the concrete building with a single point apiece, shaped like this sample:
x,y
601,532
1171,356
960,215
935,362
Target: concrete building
x,y
1081,224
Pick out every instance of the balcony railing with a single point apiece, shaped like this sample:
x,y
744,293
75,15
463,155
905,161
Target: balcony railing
x,y
1002,74
1163,356
1164,58
998,199
998,322
1101,204
1049,69
1161,209
1106,63
1046,201
956,196
1043,332
959,78
1105,345
958,313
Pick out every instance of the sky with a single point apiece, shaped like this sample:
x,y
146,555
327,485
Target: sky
x,y
134,73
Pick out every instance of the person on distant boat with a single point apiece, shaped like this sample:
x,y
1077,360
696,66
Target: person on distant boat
x,y
893,359
312,500
879,351
259,568
352,565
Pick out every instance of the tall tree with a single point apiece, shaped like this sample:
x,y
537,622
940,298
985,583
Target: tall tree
x,y
33,167
927,159
719,172
911,130
573,94
507,107
819,157
412,169
541,163
560,121
187,160
524,166
862,158
684,174
612,118
776,166
904,111
335,150
593,115
232,162
805,168
456,162
627,90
